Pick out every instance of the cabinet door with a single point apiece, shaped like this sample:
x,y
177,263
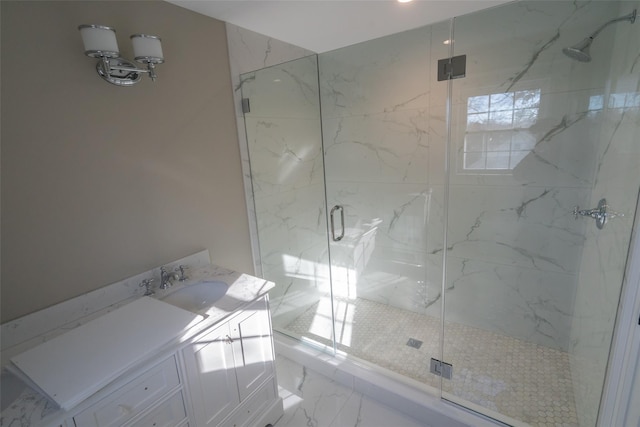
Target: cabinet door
x,y
211,377
252,349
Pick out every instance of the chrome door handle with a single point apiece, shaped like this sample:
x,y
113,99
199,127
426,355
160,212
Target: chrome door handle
x,y
333,227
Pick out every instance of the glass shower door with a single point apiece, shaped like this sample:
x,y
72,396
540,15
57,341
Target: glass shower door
x,y
379,122
282,120
538,140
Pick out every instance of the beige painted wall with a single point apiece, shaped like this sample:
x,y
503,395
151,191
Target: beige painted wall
x,y
101,182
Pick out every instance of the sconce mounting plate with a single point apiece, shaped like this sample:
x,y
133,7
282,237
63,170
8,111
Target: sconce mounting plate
x,y
118,77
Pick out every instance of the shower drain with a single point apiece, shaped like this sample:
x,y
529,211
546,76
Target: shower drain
x,y
414,343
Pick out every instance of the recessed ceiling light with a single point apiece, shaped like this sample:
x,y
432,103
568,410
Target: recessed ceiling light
x,y
404,1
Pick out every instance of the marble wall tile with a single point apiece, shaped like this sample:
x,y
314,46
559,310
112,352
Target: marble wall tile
x,y
295,219
556,174
285,154
414,286
529,37
250,51
285,151
396,213
386,147
309,398
525,303
295,294
375,98
360,410
530,227
382,75
253,51
286,90
292,232
604,259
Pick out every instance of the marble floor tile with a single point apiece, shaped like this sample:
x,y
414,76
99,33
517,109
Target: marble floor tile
x,y
312,400
361,411
309,398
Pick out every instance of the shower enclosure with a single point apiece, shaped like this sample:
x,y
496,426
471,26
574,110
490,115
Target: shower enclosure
x,y
417,223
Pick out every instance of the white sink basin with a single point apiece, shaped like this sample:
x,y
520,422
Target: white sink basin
x,y
197,297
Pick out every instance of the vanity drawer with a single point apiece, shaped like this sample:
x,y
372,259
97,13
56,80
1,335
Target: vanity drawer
x,y
168,414
132,398
252,406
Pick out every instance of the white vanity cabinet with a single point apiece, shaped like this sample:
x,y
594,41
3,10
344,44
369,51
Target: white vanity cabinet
x,y
204,359
230,370
227,379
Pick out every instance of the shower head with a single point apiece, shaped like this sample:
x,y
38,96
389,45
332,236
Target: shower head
x,y
580,51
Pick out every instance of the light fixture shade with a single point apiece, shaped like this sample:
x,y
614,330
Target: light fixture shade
x,y
99,41
147,49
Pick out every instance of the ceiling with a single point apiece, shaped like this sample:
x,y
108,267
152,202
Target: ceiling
x,y
323,25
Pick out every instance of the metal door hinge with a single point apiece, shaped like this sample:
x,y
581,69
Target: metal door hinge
x,y
441,369
246,108
452,68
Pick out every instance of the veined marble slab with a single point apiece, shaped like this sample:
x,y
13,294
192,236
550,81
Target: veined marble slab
x,y
250,51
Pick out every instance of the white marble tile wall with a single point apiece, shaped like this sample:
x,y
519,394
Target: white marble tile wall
x,y
377,133
250,51
513,243
605,251
312,399
384,135
284,150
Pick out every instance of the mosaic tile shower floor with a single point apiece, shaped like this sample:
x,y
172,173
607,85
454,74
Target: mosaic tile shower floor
x,y
521,380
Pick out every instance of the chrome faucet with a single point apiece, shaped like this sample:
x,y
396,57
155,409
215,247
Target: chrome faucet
x,y
165,278
147,287
182,276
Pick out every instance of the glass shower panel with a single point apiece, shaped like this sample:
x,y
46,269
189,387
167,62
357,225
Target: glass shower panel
x,y
282,120
532,289
377,133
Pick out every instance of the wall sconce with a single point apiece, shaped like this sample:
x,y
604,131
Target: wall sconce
x,y
100,42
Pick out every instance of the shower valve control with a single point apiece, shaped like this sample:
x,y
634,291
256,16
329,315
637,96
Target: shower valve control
x,y
601,214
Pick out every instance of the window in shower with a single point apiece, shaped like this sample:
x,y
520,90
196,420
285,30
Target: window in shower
x,y
497,136
615,100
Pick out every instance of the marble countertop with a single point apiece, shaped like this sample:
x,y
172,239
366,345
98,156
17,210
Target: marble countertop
x,y
24,407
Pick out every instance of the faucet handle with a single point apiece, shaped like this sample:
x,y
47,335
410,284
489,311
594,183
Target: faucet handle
x,y
147,283
181,269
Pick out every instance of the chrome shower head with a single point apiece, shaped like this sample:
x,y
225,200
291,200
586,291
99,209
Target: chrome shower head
x,y
580,51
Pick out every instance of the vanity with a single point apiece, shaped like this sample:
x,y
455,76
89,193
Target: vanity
x,y
218,370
